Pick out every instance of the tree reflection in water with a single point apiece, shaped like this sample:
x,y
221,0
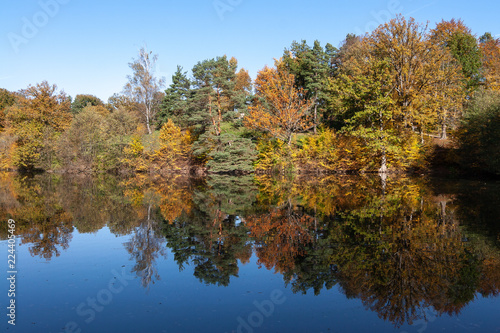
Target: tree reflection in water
x,y
40,219
403,246
145,247
211,235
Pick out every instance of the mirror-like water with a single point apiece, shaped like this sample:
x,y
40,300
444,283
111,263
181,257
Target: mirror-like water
x,y
245,254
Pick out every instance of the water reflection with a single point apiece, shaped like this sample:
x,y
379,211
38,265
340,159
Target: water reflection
x,y
41,220
211,235
402,246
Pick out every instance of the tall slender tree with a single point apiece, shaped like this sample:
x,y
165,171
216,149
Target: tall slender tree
x,y
143,86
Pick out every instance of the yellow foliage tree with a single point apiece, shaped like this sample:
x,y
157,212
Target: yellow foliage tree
x,y
425,79
397,82
175,146
134,155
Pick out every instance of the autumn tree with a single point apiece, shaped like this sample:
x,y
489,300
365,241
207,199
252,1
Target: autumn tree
x,y
367,97
345,50
84,139
37,119
175,146
348,49
456,37
395,82
6,99
7,140
418,67
479,133
94,141
490,48
280,108
143,87
117,101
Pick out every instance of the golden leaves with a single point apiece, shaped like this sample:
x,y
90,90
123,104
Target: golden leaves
x,y
170,150
175,146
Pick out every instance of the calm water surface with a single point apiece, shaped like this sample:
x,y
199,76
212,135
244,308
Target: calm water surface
x,y
245,254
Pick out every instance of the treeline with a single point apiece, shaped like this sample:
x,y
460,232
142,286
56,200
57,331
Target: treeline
x,y
379,102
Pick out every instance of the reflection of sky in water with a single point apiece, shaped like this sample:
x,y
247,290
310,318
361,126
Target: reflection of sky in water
x,y
50,291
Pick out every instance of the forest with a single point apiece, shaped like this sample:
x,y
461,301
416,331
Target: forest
x,y
404,98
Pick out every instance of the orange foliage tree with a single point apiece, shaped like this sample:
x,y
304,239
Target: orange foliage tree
x,y
280,108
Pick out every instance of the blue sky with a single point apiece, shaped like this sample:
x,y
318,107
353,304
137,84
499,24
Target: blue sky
x,y
84,46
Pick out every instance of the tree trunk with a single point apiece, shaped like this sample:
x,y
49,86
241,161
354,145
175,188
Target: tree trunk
x,y
147,122
219,109
442,203
214,123
315,116
383,166
383,179
443,132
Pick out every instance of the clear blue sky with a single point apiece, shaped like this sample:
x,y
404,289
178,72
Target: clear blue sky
x,y
84,46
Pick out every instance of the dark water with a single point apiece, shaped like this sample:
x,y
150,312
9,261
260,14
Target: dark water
x,y
238,254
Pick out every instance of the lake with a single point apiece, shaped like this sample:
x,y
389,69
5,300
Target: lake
x,y
251,254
